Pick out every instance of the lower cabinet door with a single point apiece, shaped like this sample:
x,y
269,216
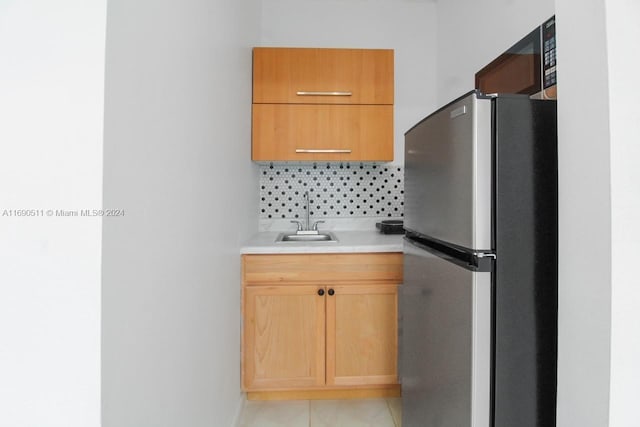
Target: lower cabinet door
x,y
362,334
283,337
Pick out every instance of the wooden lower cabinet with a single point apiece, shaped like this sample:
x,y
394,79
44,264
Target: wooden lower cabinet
x,y
362,335
284,342
301,339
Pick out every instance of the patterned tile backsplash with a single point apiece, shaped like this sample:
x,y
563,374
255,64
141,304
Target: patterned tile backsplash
x,y
336,190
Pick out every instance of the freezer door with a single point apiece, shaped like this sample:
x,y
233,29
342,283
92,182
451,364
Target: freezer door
x,y
446,343
448,174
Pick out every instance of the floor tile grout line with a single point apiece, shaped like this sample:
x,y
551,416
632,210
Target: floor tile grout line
x,y
393,419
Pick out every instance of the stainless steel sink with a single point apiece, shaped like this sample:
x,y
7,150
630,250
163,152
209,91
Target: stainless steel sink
x,y
295,237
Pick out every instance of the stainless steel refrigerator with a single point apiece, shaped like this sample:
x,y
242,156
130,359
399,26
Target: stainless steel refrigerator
x,y
479,300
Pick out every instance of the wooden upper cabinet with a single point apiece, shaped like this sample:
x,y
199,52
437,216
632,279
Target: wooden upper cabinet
x,y
320,104
322,76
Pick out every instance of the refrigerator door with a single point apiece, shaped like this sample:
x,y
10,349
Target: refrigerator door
x,y
446,342
448,174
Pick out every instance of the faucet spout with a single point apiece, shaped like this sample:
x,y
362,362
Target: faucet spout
x,y
306,197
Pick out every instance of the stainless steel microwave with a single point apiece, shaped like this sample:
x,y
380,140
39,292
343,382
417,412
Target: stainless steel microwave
x,y
527,67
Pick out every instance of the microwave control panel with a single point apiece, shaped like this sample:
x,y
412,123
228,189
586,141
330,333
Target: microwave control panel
x,y
549,52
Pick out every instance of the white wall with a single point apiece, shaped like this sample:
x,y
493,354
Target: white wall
x,y
407,26
584,215
472,33
623,34
177,159
51,108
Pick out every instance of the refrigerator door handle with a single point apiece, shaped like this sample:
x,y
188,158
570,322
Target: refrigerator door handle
x,y
486,255
466,258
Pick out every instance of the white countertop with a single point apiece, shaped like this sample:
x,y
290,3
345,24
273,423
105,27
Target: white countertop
x,y
348,241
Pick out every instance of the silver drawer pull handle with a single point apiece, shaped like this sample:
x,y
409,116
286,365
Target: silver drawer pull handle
x,y
306,93
305,150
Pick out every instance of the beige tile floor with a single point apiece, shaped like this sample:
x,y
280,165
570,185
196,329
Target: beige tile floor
x,y
322,413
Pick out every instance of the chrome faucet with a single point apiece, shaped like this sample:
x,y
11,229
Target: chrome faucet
x,y
307,228
306,198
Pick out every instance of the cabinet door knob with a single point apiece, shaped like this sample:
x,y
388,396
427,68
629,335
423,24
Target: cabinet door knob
x,y
331,292
321,292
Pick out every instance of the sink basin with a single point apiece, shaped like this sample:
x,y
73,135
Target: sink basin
x,y
294,237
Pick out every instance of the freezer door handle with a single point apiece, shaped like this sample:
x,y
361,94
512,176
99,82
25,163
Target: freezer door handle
x,y
466,258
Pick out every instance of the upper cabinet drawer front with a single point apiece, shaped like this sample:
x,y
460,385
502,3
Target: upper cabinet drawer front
x,y
322,132
322,76
319,268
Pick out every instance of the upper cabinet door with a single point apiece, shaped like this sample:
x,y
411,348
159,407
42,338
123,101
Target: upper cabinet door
x,y
322,76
